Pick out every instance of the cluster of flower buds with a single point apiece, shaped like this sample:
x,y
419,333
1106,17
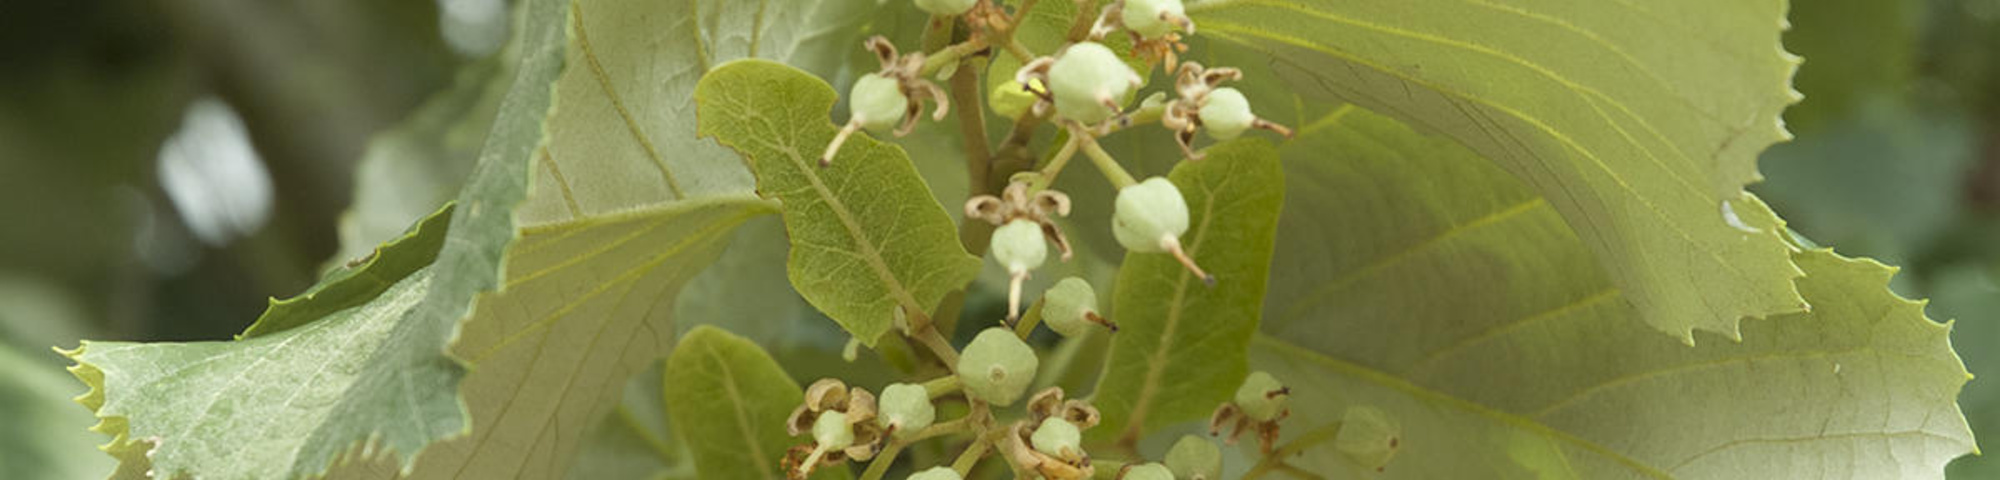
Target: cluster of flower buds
x,y
1259,404
1049,441
1205,104
894,94
1027,224
843,425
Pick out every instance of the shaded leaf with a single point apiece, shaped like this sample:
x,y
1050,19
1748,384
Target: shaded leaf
x,y
1640,123
41,434
867,237
729,401
1180,345
1458,300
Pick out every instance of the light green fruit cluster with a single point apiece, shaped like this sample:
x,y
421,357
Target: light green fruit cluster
x,y
945,7
1195,458
906,408
832,432
1149,216
1226,114
1255,398
996,367
1368,437
1058,438
1148,18
1019,246
1085,74
1149,471
876,102
1067,307
937,473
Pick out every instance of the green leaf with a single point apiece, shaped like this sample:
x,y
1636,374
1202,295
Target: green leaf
x,y
40,434
419,163
1639,122
1456,299
1180,345
729,401
867,237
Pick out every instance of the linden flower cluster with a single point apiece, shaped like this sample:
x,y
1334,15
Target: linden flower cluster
x,y
1083,88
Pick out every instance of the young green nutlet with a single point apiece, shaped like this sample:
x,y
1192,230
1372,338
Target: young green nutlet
x,y
1070,308
904,409
1226,114
945,7
1152,19
880,99
1261,397
1058,438
1150,217
1020,247
831,433
937,473
1368,437
1148,471
1195,458
1088,80
996,367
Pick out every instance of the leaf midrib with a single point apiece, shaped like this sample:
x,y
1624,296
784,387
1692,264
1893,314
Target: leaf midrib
x,y
1156,365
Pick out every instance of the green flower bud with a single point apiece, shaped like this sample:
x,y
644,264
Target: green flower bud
x,y
906,407
1150,216
876,102
1261,397
945,7
832,432
1088,80
1070,307
1009,100
1058,438
1195,458
996,367
1226,114
1019,246
1153,18
937,473
1368,437
1149,471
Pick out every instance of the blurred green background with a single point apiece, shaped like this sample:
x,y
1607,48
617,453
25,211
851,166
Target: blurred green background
x,y
167,166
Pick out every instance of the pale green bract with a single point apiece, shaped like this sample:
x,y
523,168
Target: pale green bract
x,y
1085,77
1149,216
1225,114
877,102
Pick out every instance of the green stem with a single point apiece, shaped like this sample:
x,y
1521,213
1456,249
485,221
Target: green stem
x,y
1276,460
1029,320
659,447
949,55
1047,177
1112,170
880,465
971,456
941,386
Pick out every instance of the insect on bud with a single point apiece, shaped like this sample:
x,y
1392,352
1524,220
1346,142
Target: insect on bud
x,y
1088,80
1070,308
1020,247
937,473
1368,437
996,367
1261,397
1058,438
945,7
1149,471
1150,218
1154,18
1195,458
1012,101
905,409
